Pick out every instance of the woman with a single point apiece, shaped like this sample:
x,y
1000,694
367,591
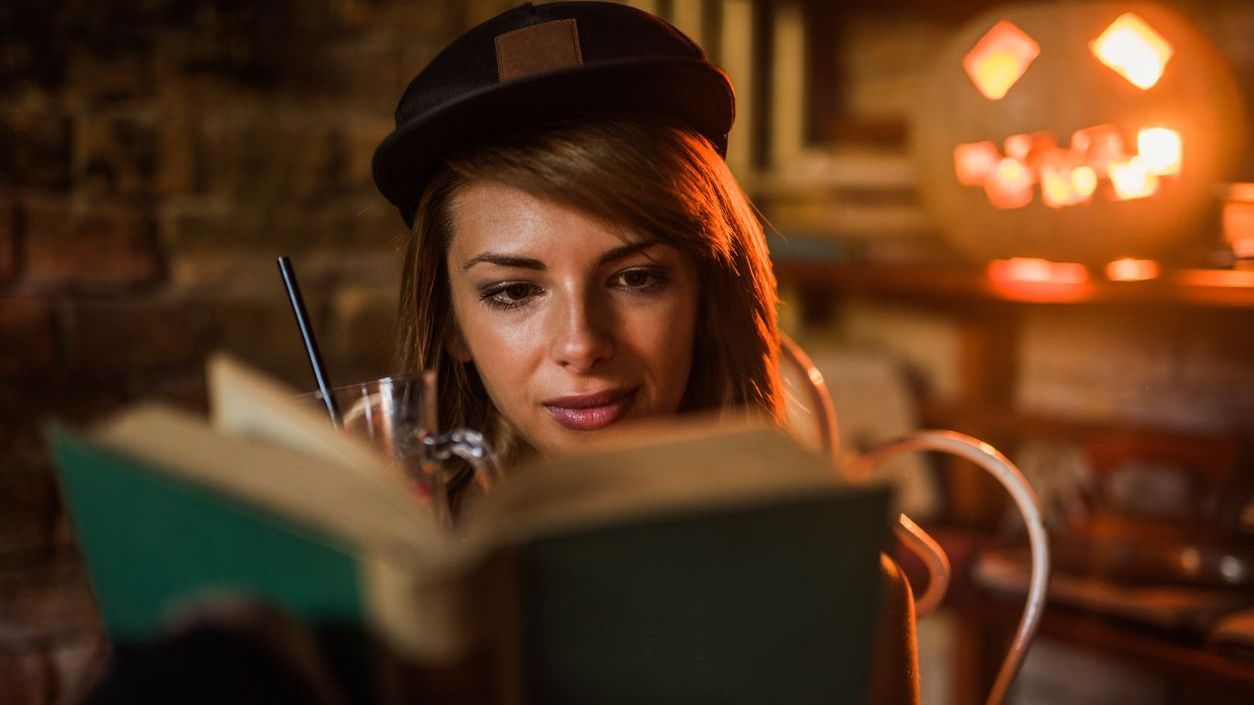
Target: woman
x,y
598,117
580,255
584,274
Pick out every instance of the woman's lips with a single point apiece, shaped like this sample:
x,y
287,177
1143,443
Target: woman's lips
x,y
589,412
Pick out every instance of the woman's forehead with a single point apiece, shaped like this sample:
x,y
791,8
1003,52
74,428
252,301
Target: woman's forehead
x,y
502,218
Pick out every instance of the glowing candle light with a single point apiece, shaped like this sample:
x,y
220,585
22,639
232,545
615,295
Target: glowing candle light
x,y
1036,270
1098,146
1070,175
1056,190
1009,185
1160,150
1020,269
1001,56
1061,186
1032,279
974,161
1034,149
1132,179
1133,49
1018,147
1084,181
1129,269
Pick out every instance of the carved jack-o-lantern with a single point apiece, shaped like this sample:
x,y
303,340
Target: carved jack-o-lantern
x,y
1076,131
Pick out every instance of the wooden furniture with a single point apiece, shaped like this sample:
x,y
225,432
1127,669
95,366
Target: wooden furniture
x,y
1190,670
986,408
1218,288
991,315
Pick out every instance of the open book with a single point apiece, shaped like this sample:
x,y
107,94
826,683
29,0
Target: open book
x,y
696,562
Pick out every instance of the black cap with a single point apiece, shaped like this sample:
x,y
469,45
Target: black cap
x,y
535,63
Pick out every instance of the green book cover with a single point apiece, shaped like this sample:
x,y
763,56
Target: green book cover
x,y
152,542
751,604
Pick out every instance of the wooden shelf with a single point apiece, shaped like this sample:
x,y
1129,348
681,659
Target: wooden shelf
x,y
985,418
1217,288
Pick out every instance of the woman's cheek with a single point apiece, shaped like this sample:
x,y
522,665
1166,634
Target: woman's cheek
x,y
503,347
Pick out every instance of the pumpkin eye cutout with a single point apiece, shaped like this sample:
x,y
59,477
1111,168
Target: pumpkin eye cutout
x,y
1133,49
999,59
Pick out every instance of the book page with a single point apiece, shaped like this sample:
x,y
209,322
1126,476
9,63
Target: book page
x,y
247,403
310,490
653,468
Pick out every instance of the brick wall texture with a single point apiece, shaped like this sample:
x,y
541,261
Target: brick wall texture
x,y
155,158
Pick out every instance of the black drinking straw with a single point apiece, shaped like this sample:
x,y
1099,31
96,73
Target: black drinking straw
x,y
307,334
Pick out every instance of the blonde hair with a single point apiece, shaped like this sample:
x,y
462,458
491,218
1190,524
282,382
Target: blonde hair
x,y
652,177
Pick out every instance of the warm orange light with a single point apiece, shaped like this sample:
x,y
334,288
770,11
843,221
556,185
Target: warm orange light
x,y
1018,147
1129,269
1160,149
1066,187
1132,179
1070,175
1238,219
1031,279
1098,146
1033,149
999,59
1217,278
1084,181
974,161
1056,189
1040,271
1009,185
1243,192
1133,49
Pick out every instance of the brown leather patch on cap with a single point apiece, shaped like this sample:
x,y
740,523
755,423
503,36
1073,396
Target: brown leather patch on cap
x,y
541,47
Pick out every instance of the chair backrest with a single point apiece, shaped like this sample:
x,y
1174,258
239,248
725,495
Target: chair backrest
x,y
810,411
813,418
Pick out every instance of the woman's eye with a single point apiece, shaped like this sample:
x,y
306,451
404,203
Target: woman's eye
x,y
507,296
516,292
641,279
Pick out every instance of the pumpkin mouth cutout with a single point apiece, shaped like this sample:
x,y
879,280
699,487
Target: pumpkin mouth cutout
x,y
1097,160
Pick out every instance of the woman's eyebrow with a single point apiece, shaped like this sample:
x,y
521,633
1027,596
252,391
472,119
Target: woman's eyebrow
x,y
529,263
504,261
626,250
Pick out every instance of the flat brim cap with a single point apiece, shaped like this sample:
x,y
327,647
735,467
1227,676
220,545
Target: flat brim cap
x,y
537,63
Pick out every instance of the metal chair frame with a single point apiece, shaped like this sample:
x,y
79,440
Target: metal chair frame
x,y
914,537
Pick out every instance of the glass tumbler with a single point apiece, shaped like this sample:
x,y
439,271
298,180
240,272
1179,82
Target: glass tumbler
x,y
399,416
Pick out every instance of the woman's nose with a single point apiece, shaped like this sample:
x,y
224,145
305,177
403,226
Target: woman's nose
x,y
581,339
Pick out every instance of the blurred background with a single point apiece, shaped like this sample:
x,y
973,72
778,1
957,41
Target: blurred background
x,y
1032,223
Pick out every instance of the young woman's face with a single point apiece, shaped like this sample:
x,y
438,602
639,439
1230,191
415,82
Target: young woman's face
x,y
572,327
